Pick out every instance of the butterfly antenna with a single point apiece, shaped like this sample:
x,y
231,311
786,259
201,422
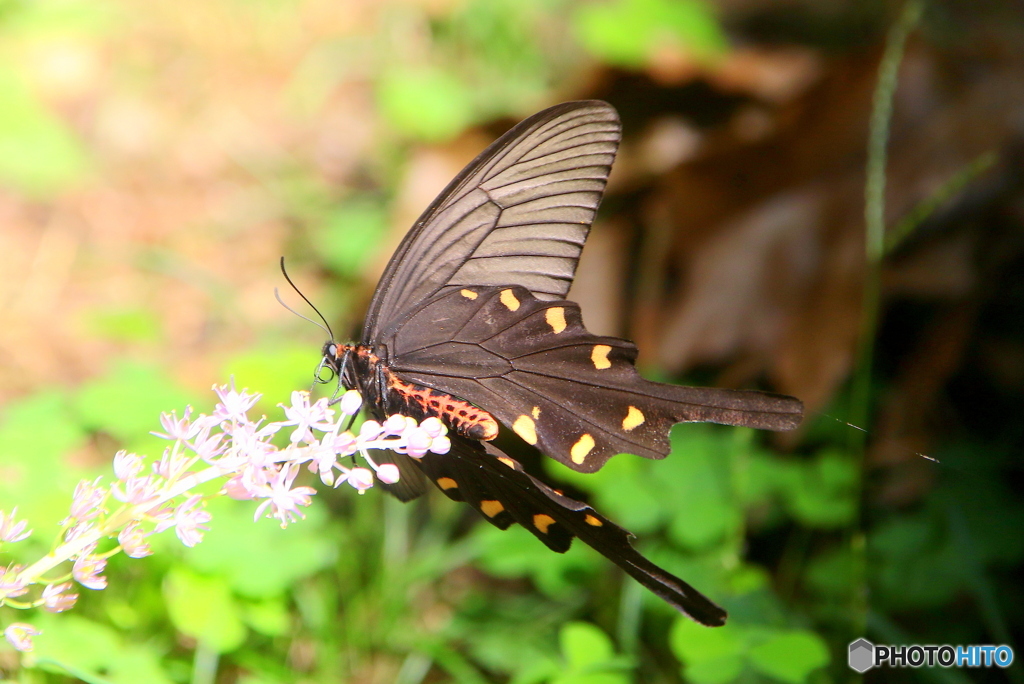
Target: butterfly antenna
x,y
326,327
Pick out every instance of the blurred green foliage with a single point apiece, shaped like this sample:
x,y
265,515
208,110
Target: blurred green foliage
x,y
366,587
630,33
426,103
39,154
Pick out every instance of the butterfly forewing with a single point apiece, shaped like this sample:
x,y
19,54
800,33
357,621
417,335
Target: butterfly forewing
x,y
517,215
575,396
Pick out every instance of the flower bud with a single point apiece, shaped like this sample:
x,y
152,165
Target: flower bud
x,y
361,479
388,473
369,430
350,403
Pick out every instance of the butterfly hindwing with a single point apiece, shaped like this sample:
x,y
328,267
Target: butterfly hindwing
x,y
502,492
577,397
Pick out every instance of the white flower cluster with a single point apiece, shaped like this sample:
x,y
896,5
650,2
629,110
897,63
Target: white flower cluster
x,y
226,444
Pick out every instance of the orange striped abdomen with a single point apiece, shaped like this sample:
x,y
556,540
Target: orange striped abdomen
x,y
461,416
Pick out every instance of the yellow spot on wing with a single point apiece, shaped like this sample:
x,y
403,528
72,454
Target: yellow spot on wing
x,y
581,448
491,507
507,461
600,356
542,522
446,483
468,294
525,428
592,520
509,300
535,412
634,418
555,316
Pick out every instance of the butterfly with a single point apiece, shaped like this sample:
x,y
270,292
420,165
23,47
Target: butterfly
x,y
469,323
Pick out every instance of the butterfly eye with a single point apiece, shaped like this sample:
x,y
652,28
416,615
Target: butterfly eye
x,y
332,350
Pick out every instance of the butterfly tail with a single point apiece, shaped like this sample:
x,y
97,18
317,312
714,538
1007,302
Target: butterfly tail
x,y
668,587
744,408
497,486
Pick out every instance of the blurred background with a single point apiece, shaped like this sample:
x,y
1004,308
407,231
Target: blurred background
x,y
156,159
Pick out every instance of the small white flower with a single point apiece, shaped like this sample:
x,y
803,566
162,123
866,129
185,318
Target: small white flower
x,y
234,405
190,521
19,635
12,530
133,541
87,569
11,584
55,600
87,501
282,499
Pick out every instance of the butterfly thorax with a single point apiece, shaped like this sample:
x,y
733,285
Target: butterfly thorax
x,y
361,367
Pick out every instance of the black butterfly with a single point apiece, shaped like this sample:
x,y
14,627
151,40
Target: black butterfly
x,y
469,324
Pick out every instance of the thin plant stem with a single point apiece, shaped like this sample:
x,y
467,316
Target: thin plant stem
x,y
874,250
118,519
874,208
898,233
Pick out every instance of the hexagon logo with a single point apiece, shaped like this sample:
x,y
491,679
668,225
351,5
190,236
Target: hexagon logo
x,y
862,655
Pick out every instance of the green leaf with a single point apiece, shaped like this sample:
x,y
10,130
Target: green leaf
x,y
714,670
790,656
590,656
824,494
584,644
709,656
425,102
694,643
203,608
747,578
631,33
92,651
